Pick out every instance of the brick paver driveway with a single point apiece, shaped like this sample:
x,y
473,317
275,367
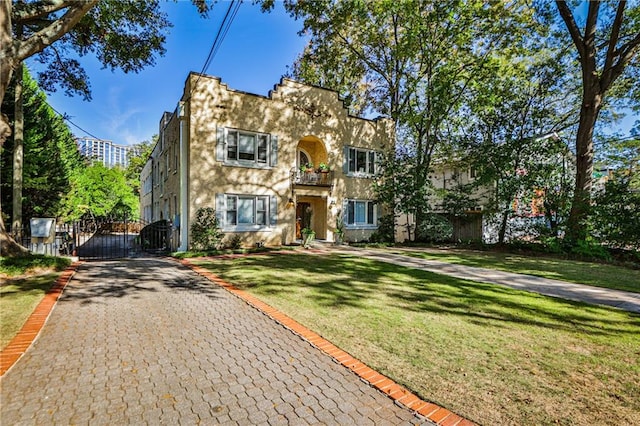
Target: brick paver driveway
x,y
147,341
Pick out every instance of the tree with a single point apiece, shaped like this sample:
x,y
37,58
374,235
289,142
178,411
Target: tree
x,y
616,212
137,159
98,191
511,140
412,61
607,46
51,155
122,34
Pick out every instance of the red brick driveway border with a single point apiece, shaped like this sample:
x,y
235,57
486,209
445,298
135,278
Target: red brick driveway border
x,y
398,393
32,327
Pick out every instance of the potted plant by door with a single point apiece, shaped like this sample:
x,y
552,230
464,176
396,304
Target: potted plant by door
x,y
308,235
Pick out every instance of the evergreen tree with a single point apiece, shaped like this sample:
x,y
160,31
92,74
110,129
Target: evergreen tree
x,y
51,155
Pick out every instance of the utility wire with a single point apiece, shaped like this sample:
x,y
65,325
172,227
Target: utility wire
x,y
232,11
230,15
68,120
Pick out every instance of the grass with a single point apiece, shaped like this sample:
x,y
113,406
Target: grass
x,y
205,253
15,266
595,274
25,282
491,354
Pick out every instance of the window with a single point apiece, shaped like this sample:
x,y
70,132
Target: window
x,y
246,212
361,213
361,161
246,148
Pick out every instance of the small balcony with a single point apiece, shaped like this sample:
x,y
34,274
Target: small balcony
x,y
312,178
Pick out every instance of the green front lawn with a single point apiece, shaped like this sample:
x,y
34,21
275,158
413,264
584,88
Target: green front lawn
x,y
489,353
595,274
25,281
18,298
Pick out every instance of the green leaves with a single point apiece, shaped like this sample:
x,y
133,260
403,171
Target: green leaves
x,y
99,191
50,154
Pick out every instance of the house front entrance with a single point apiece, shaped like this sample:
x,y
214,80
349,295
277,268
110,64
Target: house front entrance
x,y
311,212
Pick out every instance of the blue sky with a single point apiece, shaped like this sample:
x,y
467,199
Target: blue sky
x,y
126,108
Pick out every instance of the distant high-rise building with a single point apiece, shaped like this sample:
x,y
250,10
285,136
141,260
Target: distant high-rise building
x,y
107,152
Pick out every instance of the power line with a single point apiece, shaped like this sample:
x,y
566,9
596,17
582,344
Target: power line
x,y
232,11
67,119
229,16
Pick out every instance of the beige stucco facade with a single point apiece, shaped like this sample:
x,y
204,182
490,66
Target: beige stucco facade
x,y
241,153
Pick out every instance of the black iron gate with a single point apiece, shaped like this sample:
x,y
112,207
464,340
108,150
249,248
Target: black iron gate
x,y
118,237
106,238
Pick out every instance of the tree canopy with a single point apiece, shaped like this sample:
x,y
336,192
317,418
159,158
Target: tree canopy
x,y
125,34
51,156
607,41
98,191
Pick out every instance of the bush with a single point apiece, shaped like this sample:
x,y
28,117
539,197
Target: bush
x,y
616,214
205,231
434,228
235,242
591,250
386,230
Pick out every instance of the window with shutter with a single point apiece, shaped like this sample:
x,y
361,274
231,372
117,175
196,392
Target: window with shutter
x,y
249,212
361,214
247,149
360,162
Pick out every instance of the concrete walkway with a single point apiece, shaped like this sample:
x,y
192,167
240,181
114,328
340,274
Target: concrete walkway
x,y
555,288
148,341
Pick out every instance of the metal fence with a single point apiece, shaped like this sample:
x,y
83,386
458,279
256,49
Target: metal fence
x,y
103,238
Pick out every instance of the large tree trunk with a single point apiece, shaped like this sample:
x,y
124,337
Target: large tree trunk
x,y
8,246
6,65
580,207
18,157
503,226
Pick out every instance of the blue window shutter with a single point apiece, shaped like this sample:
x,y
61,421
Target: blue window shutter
x,y
221,209
220,144
345,160
273,210
274,150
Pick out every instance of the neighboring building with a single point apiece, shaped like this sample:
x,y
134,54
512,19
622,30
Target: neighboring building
x,y
256,160
107,152
468,222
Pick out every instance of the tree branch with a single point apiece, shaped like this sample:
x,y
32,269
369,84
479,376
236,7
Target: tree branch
x,y
26,12
613,39
43,38
570,22
626,52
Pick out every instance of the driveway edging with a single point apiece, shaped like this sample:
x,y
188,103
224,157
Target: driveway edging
x,y
30,330
399,394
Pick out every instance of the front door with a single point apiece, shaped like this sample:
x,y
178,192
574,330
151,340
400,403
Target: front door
x,y
303,218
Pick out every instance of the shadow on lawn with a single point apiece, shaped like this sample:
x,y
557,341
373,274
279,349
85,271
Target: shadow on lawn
x,y
345,281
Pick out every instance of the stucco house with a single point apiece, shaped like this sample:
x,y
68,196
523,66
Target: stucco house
x,y
269,165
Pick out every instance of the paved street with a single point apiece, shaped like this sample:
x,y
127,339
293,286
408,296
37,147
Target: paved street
x,y
147,341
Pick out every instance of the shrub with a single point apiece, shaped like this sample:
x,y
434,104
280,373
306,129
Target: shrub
x,y
591,250
235,242
205,231
434,228
616,213
386,230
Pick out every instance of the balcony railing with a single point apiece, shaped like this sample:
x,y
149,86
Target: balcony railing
x,y
312,178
